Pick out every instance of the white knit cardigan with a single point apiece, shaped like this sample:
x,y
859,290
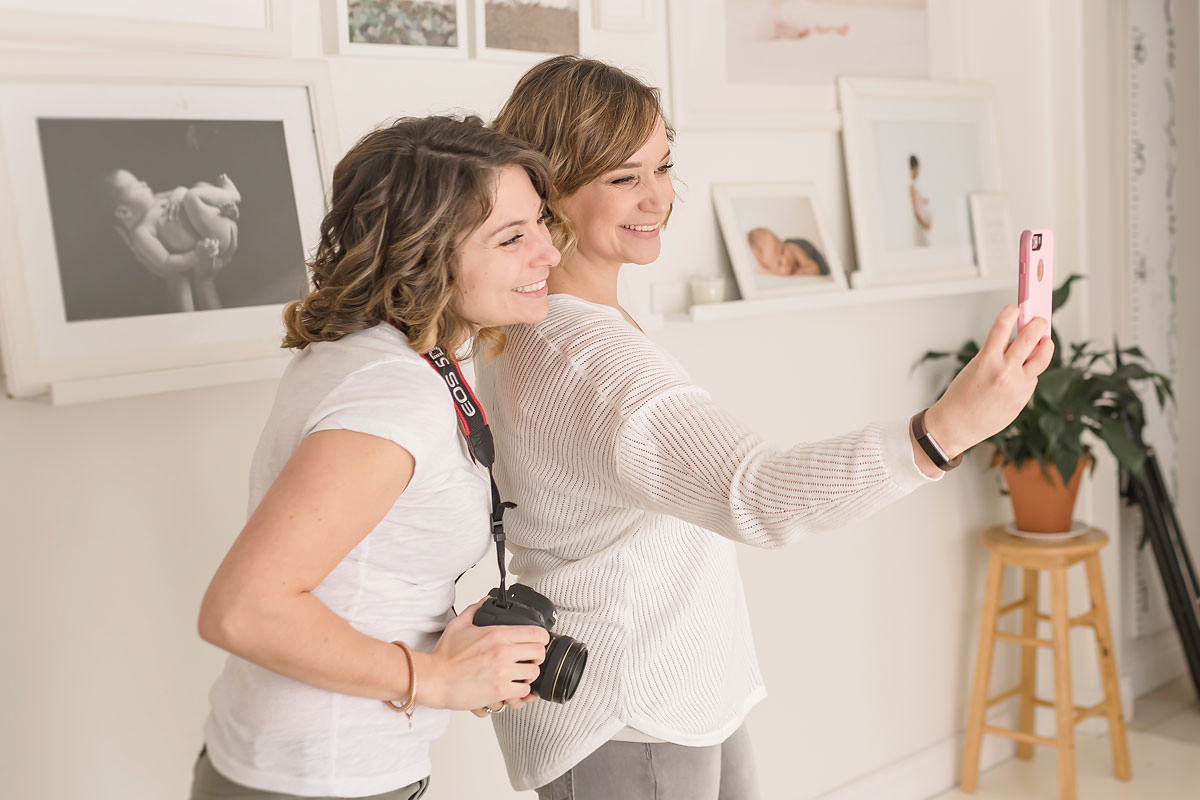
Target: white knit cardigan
x,y
632,487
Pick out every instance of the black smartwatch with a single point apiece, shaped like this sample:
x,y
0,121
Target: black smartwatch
x,y
932,449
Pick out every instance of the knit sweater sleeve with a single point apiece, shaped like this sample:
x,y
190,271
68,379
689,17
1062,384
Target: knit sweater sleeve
x,y
680,454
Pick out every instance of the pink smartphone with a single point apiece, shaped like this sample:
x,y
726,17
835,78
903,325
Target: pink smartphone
x,y
1035,283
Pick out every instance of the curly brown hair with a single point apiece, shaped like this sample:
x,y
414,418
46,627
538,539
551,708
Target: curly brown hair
x,y
587,117
403,198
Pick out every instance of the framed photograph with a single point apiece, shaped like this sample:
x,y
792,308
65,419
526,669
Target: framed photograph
x,y
623,15
247,27
776,242
992,231
915,152
154,217
421,28
528,30
774,63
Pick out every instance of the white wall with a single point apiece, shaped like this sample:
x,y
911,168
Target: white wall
x,y
116,513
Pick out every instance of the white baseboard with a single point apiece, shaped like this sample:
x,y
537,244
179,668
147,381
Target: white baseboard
x,y
930,771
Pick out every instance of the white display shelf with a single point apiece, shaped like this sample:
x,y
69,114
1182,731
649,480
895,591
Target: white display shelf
x,y
738,309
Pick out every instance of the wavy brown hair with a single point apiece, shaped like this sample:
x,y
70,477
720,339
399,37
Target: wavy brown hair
x,y
403,198
586,117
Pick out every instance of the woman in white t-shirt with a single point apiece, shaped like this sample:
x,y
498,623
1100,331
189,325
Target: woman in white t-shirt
x,y
335,601
632,486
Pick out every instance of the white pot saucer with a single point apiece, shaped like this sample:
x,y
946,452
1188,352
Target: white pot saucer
x,y
1077,528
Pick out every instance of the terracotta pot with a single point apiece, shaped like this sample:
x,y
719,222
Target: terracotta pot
x,y
1042,505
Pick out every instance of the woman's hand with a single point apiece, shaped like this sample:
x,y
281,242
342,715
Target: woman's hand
x,y
208,246
472,667
487,711
993,387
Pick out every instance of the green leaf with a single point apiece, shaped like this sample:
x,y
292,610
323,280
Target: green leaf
x,y
1054,383
1063,292
1127,453
1067,459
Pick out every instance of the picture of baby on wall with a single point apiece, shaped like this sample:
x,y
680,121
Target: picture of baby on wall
x,y
173,216
184,235
785,258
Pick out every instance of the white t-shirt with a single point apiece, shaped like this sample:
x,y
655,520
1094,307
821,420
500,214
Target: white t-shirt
x,y
270,732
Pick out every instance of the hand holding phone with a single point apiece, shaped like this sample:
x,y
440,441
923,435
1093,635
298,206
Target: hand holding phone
x,y
1035,282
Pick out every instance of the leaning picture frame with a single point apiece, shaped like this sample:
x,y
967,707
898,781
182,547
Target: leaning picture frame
x,y
742,64
529,32
246,27
993,234
153,222
775,238
915,152
426,29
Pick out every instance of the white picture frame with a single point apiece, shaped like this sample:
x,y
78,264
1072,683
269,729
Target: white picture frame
x,y
729,71
771,230
915,151
346,32
491,30
993,234
233,27
623,15
69,314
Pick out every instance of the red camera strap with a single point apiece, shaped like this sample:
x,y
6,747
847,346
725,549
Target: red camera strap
x,y
473,424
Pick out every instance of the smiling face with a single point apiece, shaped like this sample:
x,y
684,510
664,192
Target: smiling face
x,y
618,216
504,262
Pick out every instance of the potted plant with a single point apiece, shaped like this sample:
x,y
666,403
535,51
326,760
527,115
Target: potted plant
x,y
1086,394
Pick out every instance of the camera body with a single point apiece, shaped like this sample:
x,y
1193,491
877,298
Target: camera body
x,y
565,657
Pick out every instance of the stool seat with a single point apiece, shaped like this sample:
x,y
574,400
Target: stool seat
x,y
1020,548
1054,556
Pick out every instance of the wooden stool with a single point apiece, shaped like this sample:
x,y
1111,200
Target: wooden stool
x,y
1007,550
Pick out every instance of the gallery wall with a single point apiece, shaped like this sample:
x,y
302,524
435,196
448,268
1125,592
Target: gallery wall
x,y
117,512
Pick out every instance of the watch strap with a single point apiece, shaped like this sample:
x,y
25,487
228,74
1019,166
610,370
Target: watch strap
x,y
932,449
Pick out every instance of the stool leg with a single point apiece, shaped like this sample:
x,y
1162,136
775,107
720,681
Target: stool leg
x,y
1108,670
1064,724
983,673
1029,582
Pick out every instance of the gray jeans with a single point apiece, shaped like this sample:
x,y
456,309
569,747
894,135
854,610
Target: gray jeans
x,y
208,784
661,771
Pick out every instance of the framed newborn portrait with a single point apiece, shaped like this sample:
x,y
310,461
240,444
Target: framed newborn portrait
x,y
773,63
154,220
776,242
915,153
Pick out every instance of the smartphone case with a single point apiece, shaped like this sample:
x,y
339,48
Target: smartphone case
x,y
1035,284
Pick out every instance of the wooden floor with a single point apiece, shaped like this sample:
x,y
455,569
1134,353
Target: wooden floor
x,y
1164,746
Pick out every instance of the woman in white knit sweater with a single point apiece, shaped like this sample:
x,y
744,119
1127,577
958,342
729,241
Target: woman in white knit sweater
x,y
632,486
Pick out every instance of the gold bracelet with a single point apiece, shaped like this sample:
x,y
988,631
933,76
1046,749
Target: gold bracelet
x,y
411,702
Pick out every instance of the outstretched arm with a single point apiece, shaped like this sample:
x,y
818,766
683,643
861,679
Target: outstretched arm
x,y
682,455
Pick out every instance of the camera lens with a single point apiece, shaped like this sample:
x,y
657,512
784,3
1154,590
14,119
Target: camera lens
x,y
559,677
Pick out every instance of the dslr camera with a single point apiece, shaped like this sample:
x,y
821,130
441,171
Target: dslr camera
x,y
565,657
